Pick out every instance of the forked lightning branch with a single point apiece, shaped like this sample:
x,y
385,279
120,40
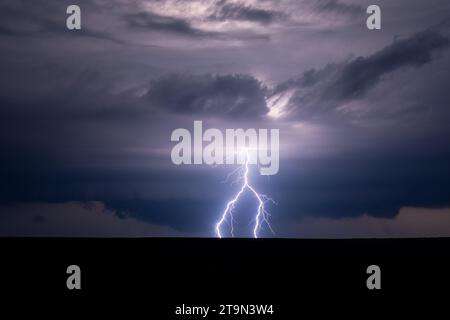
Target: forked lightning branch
x,y
235,147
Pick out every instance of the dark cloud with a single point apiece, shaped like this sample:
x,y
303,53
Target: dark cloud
x,y
339,7
241,12
90,219
361,74
17,19
216,95
154,22
372,184
44,18
197,217
320,91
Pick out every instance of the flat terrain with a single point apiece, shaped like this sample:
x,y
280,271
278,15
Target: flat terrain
x,y
156,275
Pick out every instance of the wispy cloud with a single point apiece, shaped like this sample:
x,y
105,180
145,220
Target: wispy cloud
x,y
319,92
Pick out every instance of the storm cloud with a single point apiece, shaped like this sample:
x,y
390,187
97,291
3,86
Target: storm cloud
x,y
322,91
241,12
221,95
43,18
336,6
154,22
363,116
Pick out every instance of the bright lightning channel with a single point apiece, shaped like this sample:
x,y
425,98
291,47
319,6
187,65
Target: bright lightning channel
x,y
261,215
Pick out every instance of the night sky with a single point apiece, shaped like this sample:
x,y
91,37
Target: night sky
x,y
86,116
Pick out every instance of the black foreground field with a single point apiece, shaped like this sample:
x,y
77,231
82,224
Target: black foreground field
x,y
151,277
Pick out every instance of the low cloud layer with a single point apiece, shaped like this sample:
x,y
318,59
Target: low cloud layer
x,y
74,219
410,223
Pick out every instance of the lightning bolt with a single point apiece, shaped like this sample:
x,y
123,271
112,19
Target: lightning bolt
x,y
261,215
